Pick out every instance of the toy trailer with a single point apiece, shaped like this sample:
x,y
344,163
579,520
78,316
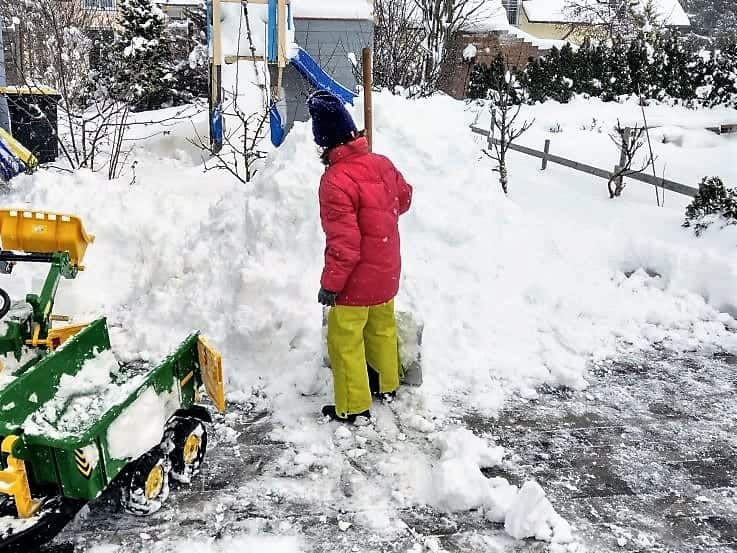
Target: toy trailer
x,y
73,420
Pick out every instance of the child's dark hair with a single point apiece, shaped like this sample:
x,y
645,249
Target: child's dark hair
x,y
325,154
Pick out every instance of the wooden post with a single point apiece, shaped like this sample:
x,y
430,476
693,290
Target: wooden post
x,y
626,137
546,151
217,50
216,80
368,107
281,30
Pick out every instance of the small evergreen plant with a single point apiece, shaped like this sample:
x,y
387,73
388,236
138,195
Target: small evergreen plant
x,y
713,203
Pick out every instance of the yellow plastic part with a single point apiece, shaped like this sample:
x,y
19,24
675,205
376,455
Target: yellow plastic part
x,y
43,232
19,150
14,482
191,449
154,482
56,336
211,368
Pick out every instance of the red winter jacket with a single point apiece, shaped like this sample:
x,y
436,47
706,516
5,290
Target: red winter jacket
x,y
362,196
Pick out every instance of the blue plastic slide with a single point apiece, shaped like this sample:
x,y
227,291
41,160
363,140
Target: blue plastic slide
x,y
311,70
316,76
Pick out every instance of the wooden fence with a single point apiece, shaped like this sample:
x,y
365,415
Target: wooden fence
x,y
547,157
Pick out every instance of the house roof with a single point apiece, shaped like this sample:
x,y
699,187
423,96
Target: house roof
x,y
312,9
485,16
554,11
333,9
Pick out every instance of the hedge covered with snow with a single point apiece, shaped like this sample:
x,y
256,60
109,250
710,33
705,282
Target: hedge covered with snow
x,y
654,66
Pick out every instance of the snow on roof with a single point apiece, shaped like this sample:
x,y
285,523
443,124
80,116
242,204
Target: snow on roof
x,y
333,9
313,9
542,43
179,2
486,16
554,11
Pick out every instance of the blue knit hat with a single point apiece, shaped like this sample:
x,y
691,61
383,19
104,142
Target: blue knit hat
x,y
331,123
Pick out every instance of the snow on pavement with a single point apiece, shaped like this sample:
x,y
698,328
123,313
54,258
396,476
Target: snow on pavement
x,y
515,292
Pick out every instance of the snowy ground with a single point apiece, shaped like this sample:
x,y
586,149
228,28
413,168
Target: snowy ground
x,y
644,460
519,295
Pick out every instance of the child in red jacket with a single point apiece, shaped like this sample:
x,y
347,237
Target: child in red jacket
x,y
362,196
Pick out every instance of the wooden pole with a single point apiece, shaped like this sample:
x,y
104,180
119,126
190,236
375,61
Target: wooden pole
x,y
217,50
281,30
216,78
368,107
547,151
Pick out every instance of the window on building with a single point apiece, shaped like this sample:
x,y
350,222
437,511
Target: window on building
x,y
99,4
512,7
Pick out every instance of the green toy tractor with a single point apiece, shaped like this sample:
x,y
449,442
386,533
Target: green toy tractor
x,y
73,420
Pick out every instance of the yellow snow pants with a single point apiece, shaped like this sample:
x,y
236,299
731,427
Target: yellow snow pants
x,y
357,336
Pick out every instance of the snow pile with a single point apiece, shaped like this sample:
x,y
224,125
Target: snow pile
x,y
532,516
469,52
10,366
82,399
460,485
514,292
458,481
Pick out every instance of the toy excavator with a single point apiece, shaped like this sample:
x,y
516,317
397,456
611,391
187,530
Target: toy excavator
x,y
73,420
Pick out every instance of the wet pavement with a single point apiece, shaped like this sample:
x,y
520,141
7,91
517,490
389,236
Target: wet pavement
x,y
644,460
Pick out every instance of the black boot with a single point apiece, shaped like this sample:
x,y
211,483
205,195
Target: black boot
x,y
387,397
375,387
329,411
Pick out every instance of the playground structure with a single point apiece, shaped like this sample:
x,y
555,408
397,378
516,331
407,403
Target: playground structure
x,y
73,420
277,52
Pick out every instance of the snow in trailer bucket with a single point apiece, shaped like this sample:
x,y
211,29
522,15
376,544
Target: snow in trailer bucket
x,y
70,413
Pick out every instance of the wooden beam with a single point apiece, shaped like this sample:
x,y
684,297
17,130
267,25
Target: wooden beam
x,y
234,59
591,170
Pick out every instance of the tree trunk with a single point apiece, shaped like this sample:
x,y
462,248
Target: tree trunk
x,y
503,180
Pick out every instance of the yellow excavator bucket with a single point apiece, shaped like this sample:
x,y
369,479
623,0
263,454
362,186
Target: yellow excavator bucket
x,y
42,232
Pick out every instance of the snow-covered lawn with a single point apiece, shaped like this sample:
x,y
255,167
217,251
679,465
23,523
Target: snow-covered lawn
x,y
515,292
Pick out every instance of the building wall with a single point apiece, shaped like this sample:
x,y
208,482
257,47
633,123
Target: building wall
x,y
542,30
329,41
555,31
456,73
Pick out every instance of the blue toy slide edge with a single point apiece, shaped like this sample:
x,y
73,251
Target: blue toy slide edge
x,y
311,70
316,76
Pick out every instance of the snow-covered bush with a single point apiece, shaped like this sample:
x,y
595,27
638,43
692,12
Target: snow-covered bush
x,y
139,68
714,203
191,71
718,85
655,66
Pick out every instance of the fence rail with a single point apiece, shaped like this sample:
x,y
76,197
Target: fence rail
x,y
591,170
